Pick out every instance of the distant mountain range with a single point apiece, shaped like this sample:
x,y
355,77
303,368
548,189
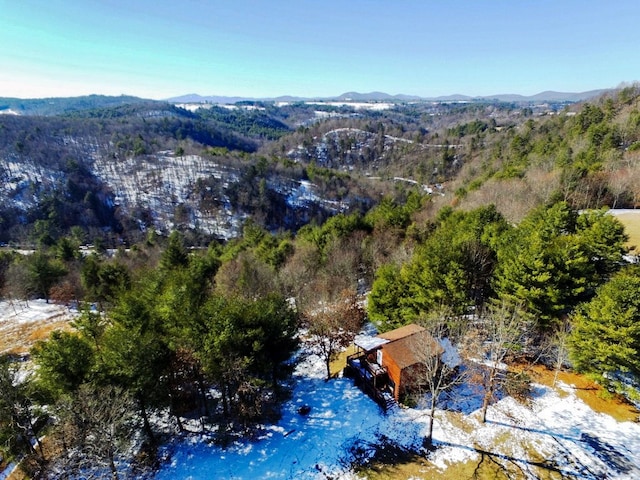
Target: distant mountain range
x,y
68,105
547,96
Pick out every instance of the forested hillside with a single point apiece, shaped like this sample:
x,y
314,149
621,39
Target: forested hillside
x,y
587,156
107,169
59,106
246,237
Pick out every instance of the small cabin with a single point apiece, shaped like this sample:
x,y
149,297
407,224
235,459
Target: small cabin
x,y
392,363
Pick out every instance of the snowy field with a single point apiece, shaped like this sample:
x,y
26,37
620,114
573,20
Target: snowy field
x,y
555,436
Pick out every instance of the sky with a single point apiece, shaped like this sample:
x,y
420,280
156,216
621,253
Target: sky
x,y
260,48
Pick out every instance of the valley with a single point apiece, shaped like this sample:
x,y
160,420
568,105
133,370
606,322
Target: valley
x,y
191,277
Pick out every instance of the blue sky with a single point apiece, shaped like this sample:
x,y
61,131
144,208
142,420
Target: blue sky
x,y
159,48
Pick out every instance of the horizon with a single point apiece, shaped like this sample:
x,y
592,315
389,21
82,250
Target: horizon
x,y
160,50
319,98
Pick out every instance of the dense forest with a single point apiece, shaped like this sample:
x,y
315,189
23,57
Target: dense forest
x,y
457,217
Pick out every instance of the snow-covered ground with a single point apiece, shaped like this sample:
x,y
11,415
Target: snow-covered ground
x,y
623,211
163,181
23,323
555,436
21,312
299,446
556,432
374,106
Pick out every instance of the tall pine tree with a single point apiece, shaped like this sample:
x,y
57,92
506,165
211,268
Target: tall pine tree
x,y
605,340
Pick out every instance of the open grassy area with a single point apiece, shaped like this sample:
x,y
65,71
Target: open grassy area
x,y
631,221
590,393
18,338
341,361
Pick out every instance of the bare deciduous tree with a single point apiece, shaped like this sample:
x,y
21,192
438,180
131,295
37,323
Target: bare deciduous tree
x,y
440,369
245,276
554,347
503,331
95,431
63,293
331,327
17,284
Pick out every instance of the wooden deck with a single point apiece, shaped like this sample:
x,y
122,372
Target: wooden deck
x,y
371,378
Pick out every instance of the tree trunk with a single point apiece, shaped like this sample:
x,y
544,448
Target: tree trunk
x,y
112,466
40,447
428,441
203,395
225,400
274,377
176,416
146,423
488,393
555,377
327,362
27,441
485,405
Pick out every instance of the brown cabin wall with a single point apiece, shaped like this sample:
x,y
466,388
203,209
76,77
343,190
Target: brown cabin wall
x,y
395,373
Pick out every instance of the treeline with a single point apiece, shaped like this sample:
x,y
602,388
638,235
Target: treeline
x,y
549,263
262,121
59,106
127,130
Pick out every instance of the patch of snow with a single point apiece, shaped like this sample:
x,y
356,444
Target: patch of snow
x,y
20,180
373,106
192,107
576,441
450,356
6,473
425,188
162,182
300,446
20,312
367,342
623,211
399,139
303,193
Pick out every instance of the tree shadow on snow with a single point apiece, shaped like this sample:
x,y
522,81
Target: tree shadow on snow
x,y
608,454
514,467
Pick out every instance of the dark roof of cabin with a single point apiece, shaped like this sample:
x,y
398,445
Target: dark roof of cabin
x,y
401,332
406,344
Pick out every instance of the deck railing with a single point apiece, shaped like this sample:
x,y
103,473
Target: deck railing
x,y
364,373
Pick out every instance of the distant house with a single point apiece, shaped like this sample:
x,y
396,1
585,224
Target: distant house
x,y
391,364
